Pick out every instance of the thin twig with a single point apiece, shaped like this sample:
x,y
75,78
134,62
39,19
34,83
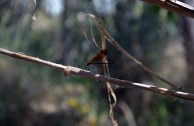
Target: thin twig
x,y
68,70
111,95
174,6
32,59
130,57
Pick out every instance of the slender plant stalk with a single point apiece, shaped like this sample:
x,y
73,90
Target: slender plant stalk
x,y
125,53
146,69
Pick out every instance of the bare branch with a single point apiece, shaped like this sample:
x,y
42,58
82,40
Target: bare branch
x,y
174,6
69,70
130,57
32,59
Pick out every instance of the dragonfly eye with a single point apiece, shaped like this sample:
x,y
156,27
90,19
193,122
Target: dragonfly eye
x,y
104,52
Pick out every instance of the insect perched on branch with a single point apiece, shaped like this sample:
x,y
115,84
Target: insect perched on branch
x,y
98,57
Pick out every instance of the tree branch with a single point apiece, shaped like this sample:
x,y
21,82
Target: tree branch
x,y
69,70
129,57
174,6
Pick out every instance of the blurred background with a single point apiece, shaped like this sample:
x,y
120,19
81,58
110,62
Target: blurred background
x,y
32,94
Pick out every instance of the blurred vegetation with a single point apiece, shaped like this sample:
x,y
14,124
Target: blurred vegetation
x,y
34,95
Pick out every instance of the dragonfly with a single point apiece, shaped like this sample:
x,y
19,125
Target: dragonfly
x,y
98,57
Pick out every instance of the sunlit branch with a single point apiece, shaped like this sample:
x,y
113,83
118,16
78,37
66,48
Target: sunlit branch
x,y
69,70
174,6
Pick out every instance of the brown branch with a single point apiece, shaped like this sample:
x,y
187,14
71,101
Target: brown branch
x,y
32,59
174,6
69,70
130,57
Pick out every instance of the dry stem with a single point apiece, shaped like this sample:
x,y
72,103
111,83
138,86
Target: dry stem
x,y
130,57
69,70
174,6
